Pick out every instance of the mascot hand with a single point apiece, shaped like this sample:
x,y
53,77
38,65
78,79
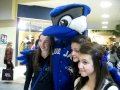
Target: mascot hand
x,y
24,57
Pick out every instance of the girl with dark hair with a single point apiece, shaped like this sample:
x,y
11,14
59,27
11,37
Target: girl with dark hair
x,y
93,72
39,66
75,46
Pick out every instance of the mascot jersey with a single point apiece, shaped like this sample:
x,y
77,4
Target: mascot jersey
x,y
68,22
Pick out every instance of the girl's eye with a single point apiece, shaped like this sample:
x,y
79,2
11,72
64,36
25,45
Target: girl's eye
x,y
84,62
46,41
76,50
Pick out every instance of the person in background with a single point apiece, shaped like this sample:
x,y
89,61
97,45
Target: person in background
x,y
93,73
113,56
36,45
39,66
28,47
118,52
8,56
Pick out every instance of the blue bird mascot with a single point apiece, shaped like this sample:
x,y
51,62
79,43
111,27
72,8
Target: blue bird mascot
x,y
68,21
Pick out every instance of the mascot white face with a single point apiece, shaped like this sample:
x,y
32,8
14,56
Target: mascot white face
x,y
79,24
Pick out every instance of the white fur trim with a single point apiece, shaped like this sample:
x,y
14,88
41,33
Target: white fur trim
x,y
113,88
76,81
79,24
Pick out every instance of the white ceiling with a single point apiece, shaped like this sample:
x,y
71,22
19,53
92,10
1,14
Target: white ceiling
x,y
94,19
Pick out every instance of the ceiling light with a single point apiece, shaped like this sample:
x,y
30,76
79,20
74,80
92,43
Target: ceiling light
x,y
105,4
104,27
22,24
105,16
105,22
114,36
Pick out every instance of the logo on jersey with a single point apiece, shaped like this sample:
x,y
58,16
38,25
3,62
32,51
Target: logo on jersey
x,y
57,51
70,69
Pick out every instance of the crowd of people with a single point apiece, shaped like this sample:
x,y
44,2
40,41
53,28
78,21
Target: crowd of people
x,y
89,73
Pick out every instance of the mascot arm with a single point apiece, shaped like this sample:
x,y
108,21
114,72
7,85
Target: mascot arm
x,y
115,75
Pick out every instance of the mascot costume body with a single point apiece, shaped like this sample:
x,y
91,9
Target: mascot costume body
x,y
68,21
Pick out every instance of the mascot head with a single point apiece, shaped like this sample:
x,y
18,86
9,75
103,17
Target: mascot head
x,y
68,21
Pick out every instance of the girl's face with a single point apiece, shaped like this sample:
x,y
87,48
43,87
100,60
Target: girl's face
x,y
75,51
10,45
85,65
44,43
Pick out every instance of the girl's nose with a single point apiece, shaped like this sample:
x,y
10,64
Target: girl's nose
x,y
80,65
73,53
42,44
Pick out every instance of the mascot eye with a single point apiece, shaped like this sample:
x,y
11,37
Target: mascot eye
x,y
65,21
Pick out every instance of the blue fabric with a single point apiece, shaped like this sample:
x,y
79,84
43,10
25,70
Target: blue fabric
x,y
25,61
115,74
23,58
25,52
60,9
61,63
85,33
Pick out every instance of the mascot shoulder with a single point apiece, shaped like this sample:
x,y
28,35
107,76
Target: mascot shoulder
x,y
115,75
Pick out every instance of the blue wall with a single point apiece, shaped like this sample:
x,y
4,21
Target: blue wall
x,y
36,12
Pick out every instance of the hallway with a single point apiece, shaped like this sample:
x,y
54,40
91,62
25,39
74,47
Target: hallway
x,y
17,83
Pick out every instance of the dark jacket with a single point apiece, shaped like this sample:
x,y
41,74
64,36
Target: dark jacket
x,y
39,83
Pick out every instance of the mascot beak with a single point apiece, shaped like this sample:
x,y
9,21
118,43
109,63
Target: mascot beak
x,y
58,31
